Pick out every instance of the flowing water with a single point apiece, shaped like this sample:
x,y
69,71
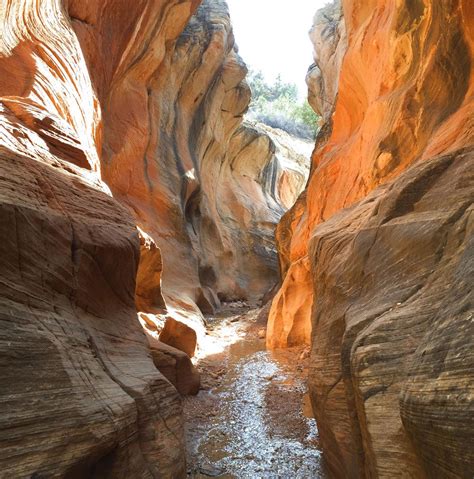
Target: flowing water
x,y
249,422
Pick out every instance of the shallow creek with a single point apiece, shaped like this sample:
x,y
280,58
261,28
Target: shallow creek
x,y
251,420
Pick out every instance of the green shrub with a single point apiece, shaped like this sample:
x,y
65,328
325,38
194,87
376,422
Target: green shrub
x,y
277,105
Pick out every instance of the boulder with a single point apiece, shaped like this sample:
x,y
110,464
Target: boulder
x,y
176,366
179,335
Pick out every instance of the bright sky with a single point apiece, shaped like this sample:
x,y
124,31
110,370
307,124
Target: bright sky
x,y
272,36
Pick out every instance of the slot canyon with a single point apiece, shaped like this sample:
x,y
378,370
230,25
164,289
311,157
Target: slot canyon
x,y
189,292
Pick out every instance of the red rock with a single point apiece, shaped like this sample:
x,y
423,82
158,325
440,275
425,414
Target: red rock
x,y
381,244
206,188
380,138
148,292
176,366
391,362
80,394
179,335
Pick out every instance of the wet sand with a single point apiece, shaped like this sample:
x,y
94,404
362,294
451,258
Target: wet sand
x,y
249,421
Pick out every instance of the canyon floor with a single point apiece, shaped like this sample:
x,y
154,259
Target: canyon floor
x,y
251,419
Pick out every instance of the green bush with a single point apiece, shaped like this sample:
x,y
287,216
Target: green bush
x,y
277,105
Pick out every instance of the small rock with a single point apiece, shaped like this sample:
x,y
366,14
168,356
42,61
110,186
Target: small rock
x,y
262,333
211,471
304,354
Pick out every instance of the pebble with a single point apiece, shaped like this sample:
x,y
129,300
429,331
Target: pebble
x,y
304,354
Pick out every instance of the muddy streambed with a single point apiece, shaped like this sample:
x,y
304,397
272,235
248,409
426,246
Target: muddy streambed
x,y
252,419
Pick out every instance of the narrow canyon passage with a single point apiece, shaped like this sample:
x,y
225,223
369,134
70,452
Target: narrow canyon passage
x,y
196,259
252,418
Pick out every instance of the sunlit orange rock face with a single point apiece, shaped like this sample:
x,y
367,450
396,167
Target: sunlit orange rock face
x,y
204,187
384,235
80,394
289,321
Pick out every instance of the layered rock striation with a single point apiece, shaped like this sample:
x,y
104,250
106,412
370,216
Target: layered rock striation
x,y
289,322
391,364
80,394
381,244
114,116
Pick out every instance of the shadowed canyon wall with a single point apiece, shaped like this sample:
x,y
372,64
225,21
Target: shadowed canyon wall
x,y
381,241
80,394
118,115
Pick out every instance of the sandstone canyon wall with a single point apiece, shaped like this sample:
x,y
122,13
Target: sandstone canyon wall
x,y
381,242
206,188
289,321
329,39
80,394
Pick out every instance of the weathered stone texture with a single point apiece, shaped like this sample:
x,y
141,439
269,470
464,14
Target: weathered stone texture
x,y
206,188
388,215
80,394
392,357
328,36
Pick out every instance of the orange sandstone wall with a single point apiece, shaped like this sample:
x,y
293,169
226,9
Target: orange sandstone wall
x,y
404,95
381,244
206,188
80,394
113,115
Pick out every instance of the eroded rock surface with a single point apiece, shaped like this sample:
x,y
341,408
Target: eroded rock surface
x,y
112,98
80,394
391,368
328,36
176,366
289,322
206,188
388,215
381,123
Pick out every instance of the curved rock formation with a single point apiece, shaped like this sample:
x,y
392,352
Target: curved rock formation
x,y
289,166
207,189
388,217
98,95
328,36
80,394
391,366
289,320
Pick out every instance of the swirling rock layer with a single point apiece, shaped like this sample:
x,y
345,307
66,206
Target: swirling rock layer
x,y
392,361
80,394
144,102
388,217
206,188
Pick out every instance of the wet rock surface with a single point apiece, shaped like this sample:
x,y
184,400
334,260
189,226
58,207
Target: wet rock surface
x,y
248,421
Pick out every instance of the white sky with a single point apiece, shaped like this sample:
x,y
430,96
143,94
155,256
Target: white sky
x,y
272,36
